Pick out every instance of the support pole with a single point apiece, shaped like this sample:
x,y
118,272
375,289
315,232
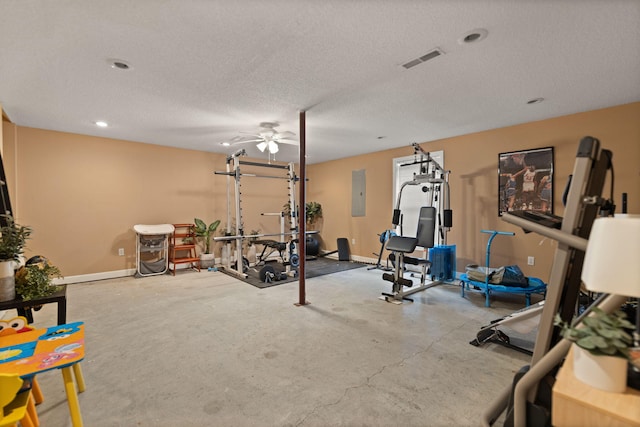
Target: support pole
x,y
302,215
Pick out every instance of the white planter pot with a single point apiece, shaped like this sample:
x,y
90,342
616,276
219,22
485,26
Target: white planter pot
x,y
207,260
606,373
7,281
224,256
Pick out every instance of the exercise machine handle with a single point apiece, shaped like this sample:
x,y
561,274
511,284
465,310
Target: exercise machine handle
x,y
494,233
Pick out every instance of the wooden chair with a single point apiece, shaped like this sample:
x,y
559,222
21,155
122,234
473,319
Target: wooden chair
x,y
15,403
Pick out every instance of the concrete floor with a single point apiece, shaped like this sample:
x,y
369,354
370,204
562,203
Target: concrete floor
x,y
206,349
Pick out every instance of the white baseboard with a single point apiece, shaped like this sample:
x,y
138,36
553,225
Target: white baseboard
x,y
355,258
363,259
95,276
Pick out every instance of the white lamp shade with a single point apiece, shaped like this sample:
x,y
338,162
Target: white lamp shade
x,y
612,260
273,147
262,146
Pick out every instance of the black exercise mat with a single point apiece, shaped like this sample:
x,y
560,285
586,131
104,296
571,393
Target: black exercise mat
x,y
314,268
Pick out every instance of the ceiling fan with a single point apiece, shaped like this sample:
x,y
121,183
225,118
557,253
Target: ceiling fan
x,y
267,138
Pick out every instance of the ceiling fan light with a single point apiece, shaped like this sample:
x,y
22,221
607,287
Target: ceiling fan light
x,y
273,147
262,146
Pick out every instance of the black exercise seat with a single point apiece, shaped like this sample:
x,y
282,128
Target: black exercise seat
x,y
273,244
402,244
399,246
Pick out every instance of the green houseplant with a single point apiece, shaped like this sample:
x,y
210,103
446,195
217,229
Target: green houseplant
x,y
204,231
601,334
13,238
313,211
601,349
34,279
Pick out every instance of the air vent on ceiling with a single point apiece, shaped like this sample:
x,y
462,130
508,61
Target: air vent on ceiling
x,y
424,58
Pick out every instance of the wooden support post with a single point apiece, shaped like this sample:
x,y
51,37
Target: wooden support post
x,y
302,217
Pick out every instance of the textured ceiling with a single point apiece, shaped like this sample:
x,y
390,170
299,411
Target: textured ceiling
x,y
204,71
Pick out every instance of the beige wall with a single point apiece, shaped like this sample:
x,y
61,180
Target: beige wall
x,y
82,194
473,161
1,133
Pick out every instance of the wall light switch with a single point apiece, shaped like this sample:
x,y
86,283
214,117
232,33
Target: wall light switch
x,y
531,260
353,241
121,252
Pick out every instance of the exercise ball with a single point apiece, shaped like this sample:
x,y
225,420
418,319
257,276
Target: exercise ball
x,y
312,246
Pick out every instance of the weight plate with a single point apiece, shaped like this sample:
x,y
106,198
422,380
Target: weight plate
x,y
263,272
294,260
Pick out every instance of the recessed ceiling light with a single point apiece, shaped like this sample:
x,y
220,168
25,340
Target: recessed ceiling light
x,y
535,101
225,144
101,124
119,64
473,36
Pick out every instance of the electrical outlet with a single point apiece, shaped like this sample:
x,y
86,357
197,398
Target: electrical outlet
x,y
121,252
353,241
531,260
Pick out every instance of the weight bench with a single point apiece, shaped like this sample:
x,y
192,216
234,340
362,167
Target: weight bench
x,y
273,245
400,246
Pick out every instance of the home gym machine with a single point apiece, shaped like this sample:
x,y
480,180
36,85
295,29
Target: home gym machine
x,y
239,266
528,400
434,222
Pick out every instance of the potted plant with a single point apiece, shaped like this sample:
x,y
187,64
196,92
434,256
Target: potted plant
x,y
13,238
601,349
34,279
313,211
207,258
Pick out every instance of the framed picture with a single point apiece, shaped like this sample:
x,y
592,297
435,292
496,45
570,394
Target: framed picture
x,y
525,181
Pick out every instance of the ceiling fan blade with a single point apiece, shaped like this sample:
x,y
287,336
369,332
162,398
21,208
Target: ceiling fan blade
x,y
237,139
250,133
288,142
292,138
286,134
244,141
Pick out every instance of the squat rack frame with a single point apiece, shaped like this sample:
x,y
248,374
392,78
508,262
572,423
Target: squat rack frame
x,y
233,164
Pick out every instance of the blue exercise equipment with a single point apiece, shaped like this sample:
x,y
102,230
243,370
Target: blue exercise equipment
x,y
534,285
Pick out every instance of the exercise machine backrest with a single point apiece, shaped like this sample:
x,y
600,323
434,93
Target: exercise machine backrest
x,y
425,234
426,227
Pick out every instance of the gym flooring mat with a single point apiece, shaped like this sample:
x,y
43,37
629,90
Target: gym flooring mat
x,y
314,268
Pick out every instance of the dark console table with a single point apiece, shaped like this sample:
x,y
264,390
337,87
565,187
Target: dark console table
x,y
24,307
